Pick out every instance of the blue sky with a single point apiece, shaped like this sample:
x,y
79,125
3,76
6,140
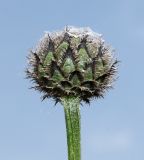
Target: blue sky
x,y
112,128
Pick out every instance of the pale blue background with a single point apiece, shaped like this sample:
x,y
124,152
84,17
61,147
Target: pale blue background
x,y
112,128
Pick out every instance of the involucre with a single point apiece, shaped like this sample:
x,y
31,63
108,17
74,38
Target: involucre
x,y
72,62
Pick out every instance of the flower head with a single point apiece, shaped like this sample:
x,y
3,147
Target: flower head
x,y
72,62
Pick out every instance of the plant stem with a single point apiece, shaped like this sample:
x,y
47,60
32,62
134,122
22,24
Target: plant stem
x,y
72,119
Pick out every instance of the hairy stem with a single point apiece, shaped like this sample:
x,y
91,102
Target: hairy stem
x,y
72,119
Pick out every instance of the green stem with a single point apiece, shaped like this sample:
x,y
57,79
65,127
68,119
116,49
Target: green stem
x,y
72,119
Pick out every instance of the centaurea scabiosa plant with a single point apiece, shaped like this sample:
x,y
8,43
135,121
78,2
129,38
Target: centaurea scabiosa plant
x,y
71,66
